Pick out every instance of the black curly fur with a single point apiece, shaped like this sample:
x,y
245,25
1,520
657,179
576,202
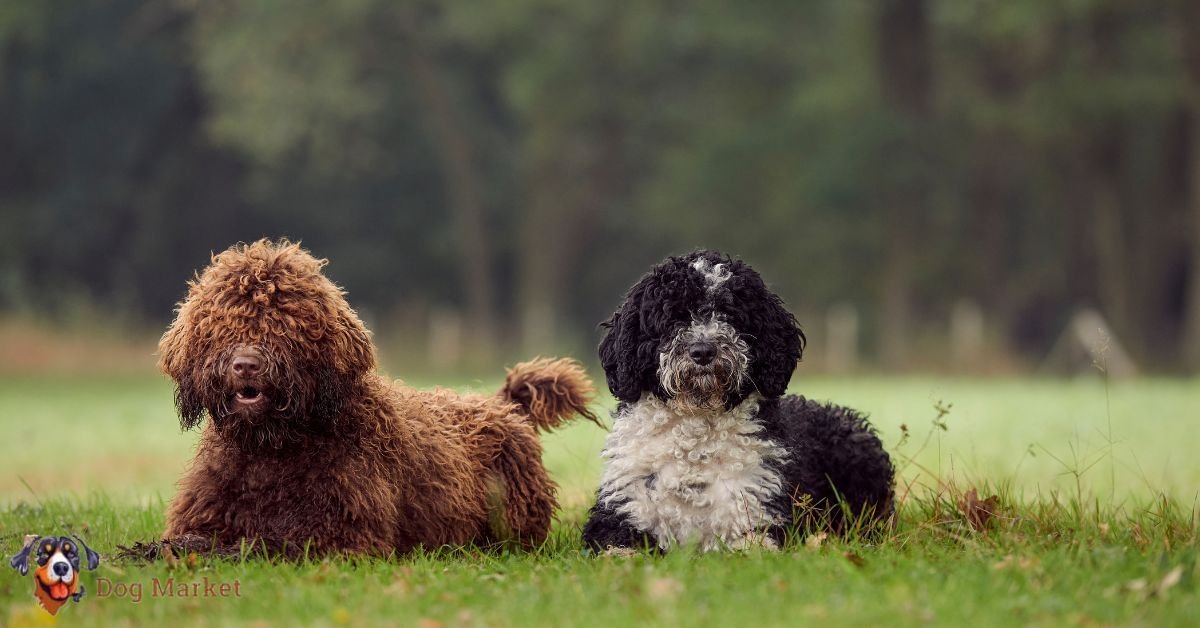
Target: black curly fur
x,y
836,469
606,527
669,297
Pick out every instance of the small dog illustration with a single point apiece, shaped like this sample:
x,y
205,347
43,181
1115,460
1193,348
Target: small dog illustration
x,y
56,578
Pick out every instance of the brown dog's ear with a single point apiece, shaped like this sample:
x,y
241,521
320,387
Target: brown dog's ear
x,y
172,346
356,349
354,353
188,402
333,390
173,360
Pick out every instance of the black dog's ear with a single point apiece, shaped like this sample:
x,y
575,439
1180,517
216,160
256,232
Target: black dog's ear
x,y
624,353
188,402
615,349
779,350
20,561
777,342
93,559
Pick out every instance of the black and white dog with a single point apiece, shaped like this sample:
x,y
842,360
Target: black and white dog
x,y
705,449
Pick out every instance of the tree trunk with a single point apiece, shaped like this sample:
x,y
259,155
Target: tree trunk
x,y
906,78
542,266
571,182
462,184
1110,244
1078,252
993,189
575,169
1105,163
1190,36
1191,319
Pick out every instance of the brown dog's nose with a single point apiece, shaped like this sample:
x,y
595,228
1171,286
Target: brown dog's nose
x,y
246,364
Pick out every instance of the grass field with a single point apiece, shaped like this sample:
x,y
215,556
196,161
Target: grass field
x,y
1097,523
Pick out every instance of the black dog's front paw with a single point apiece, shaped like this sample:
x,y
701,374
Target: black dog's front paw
x,y
610,532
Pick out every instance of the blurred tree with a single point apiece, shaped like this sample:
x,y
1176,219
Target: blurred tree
x,y
344,150
906,83
566,79
1104,150
463,188
1189,37
105,177
524,161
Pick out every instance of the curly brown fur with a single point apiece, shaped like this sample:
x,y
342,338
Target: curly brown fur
x,y
307,447
550,391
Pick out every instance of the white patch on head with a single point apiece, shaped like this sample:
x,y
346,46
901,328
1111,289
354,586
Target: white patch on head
x,y
714,275
709,329
692,478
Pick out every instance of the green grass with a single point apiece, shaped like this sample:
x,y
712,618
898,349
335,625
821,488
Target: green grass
x,y
1097,491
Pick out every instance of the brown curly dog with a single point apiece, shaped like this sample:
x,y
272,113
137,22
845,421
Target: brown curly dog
x,y
307,449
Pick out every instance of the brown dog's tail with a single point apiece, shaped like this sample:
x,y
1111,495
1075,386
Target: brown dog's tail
x,y
550,391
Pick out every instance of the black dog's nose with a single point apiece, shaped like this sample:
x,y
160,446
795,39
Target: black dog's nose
x,y
246,364
702,352
61,569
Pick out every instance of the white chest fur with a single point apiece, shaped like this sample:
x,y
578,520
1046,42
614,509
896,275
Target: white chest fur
x,y
692,478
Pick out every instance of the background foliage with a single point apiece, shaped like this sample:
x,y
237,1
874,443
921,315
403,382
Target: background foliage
x,y
517,165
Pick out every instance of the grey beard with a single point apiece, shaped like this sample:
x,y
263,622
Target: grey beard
x,y
704,387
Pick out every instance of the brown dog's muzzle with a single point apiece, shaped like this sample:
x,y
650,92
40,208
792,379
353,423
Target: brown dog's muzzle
x,y
246,367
